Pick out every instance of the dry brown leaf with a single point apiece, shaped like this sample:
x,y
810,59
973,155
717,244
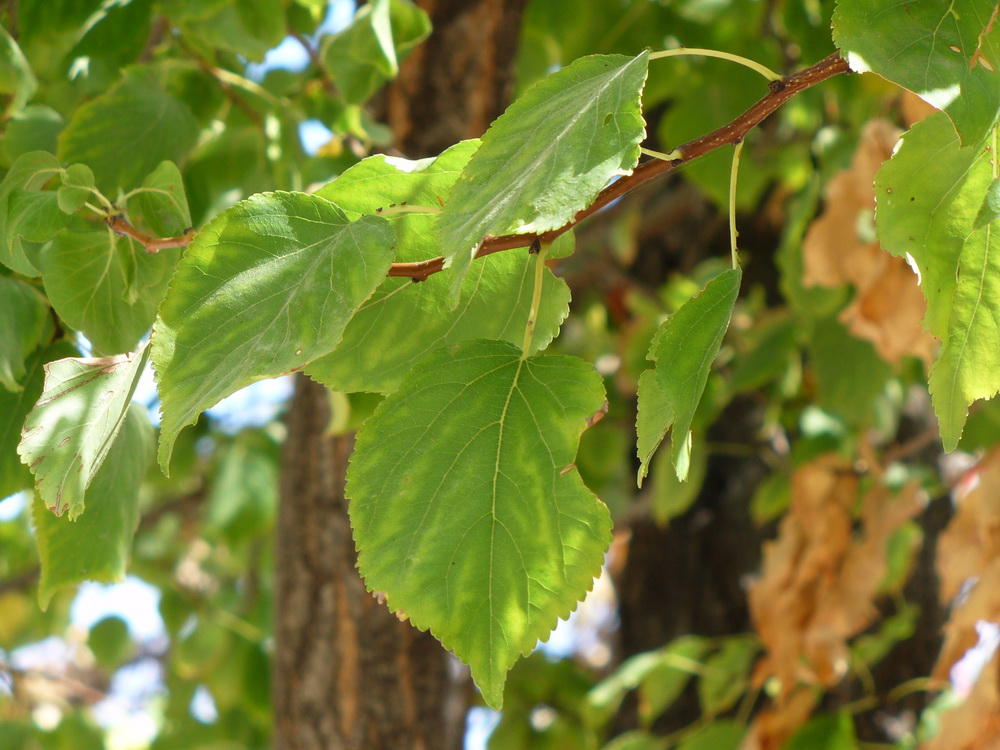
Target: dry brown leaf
x,y
975,724
982,603
972,539
773,726
819,580
840,248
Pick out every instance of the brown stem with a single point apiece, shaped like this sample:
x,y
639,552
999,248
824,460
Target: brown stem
x,y
733,132
324,74
120,226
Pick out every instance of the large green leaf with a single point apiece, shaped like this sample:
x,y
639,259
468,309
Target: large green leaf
x,y
946,52
125,133
467,509
14,408
68,435
23,314
547,156
29,171
367,53
929,196
495,298
96,547
264,289
683,349
107,287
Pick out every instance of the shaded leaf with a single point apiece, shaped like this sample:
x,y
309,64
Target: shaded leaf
x,y
264,289
16,76
467,510
29,171
929,195
947,53
77,183
90,278
161,207
35,215
23,314
68,434
547,156
683,349
97,546
726,674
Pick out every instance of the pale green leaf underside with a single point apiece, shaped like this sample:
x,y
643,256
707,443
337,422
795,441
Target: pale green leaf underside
x,y
684,347
929,197
67,436
467,509
547,156
22,318
88,276
264,289
404,321
96,547
939,50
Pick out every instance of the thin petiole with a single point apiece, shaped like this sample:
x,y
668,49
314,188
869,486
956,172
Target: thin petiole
x,y
700,52
733,234
672,156
536,297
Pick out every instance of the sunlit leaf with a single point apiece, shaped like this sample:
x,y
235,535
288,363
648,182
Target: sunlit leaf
x,y
947,53
547,156
467,510
68,435
96,547
929,197
264,289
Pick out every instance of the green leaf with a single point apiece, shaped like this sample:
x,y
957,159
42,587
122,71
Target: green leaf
x,y
547,156
467,510
495,297
90,278
35,128
248,27
724,734
35,215
264,289
684,347
727,673
77,185
946,53
14,408
68,435
666,680
929,196
116,31
989,212
28,172
672,497
825,732
96,547
125,133
109,642
23,314
367,53
16,76
161,206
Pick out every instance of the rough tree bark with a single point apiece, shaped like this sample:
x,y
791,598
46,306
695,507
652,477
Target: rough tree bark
x,y
347,674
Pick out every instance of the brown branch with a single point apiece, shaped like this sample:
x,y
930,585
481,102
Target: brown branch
x,y
120,226
324,74
227,89
733,132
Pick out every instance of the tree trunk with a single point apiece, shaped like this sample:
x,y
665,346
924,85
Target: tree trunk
x,y
347,673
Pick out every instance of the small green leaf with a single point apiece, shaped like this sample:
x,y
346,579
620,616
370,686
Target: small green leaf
x,y
30,171
14,408
727,674
125,133
930,195
161,206
23,314
547,156
69,433
724,734
34,215
96,547
672,497
467,509
825,732
16,76
109,642
367,53
675,665
264,289
684,347
77,184
88,278
947,53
